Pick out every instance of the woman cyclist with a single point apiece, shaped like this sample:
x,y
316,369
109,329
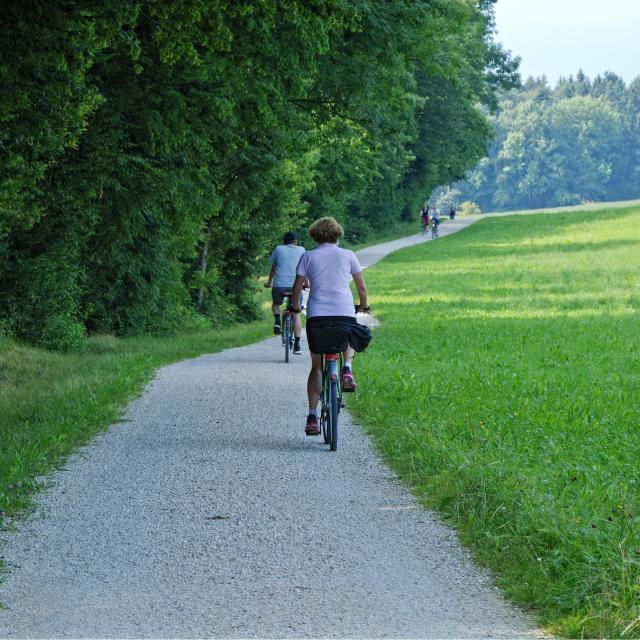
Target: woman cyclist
x,y
425,219
329,269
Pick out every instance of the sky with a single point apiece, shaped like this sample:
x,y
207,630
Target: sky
x,y
557,37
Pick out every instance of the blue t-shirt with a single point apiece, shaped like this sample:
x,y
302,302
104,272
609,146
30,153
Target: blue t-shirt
x,y
285,258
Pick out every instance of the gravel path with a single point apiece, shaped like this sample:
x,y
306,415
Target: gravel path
x,y
206,512
371,255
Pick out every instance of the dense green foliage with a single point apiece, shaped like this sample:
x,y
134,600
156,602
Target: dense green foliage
x,y
504,387
151,153
575,143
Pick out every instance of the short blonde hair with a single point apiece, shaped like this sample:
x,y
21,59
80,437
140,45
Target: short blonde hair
x,y
326,230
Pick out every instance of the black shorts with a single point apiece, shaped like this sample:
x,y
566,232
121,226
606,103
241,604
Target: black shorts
x,y
278,294
329,334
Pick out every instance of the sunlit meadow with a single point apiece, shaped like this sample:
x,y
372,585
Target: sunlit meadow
x,y
504,386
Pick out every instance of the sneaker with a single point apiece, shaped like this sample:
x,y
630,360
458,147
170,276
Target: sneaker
x,y
348,383
296,348
277,329
312,426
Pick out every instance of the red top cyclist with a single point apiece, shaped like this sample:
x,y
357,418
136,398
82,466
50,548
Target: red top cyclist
x,y
329,269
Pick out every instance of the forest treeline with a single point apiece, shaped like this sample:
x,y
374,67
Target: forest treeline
x,y
574,143
152,151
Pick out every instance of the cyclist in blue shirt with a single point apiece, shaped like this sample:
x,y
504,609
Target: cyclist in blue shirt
x,y
284,261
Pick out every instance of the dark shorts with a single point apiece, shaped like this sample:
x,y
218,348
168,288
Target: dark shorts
x,y
329,334
278,294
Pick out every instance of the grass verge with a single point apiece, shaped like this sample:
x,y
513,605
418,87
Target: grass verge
x,y
52,403
504,386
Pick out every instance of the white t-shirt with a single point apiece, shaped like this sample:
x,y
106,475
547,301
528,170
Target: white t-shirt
x,y
329,270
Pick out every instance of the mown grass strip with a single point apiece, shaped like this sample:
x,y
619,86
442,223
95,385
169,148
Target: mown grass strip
x,y
52,403
504,387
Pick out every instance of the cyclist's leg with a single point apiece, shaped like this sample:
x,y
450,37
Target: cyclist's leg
x,y
314,382
297,327
276,300
349,354
314,391
348,383
297,332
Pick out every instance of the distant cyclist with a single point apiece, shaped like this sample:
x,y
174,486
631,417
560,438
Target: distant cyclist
x,y
425,219
435,218
284,261
330,307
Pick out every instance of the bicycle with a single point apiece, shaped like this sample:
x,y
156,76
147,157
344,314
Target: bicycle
x,y
287,327
331,397
434,228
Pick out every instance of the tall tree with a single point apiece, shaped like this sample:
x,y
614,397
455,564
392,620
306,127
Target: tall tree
x,y
152,151
574,143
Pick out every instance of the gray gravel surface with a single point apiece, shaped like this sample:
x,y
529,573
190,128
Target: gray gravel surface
x,y
207,512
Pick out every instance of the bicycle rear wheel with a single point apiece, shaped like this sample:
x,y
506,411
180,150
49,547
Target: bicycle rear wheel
x,y
324,407
334,410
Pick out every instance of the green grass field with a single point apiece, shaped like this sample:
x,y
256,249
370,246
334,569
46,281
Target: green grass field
x,y
504,386
52,403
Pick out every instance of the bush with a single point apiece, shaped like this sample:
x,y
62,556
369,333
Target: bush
x,y
468,208
5,330
357,231
62,333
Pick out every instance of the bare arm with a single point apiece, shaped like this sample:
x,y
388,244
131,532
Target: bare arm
x,y
358,279
295,294
269,281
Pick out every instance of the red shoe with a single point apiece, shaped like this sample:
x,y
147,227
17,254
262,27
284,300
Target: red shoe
x,y
348,383
312,426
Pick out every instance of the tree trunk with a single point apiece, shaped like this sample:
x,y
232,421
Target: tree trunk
x,y
204,249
